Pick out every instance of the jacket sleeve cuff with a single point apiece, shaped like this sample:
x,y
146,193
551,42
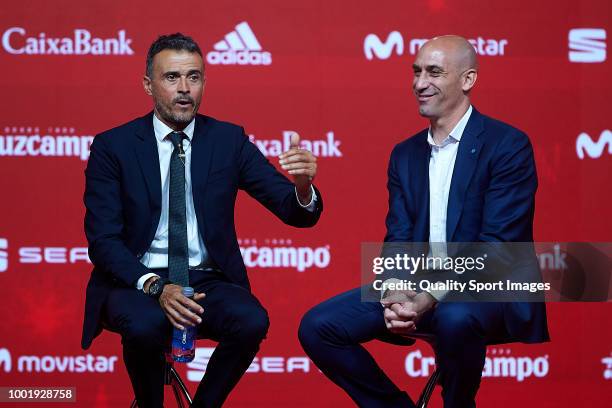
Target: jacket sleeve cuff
x,y
439,295
313,200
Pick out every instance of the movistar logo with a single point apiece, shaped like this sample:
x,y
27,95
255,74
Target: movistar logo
x,y
5,360
593,149
373,46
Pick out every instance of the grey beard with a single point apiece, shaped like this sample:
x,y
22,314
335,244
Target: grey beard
x,y
176,119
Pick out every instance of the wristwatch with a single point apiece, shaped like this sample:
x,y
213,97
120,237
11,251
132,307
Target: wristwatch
x,y
157,287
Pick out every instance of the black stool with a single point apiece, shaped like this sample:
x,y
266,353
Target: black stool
x,y
172,378
433,378
428,389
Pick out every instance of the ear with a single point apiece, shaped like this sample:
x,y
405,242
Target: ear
x,y
469,79
146,83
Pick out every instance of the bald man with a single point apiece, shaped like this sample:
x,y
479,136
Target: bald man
x,y
467,178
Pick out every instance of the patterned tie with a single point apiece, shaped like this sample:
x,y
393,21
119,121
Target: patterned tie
x,y
178,256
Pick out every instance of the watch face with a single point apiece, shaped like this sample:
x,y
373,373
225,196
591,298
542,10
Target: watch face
x,y
154,288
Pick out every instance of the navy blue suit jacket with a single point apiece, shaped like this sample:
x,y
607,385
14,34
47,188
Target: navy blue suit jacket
x,y
491,199
123,202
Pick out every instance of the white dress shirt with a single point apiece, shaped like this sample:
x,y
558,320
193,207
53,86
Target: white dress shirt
x,y
157,254
441,166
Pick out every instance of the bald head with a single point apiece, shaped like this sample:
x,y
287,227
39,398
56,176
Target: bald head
x,y
457,50
445,71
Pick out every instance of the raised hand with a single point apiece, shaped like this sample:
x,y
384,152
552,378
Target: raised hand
x,y
302,165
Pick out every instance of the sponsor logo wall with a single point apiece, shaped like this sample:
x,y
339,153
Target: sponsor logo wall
x,y
498,363
3,254
260,365
50,142
339,74
374,47
16,40
587,45
326,146
239,47
594,148
86,363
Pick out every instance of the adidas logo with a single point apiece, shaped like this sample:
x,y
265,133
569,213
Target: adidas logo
x,y
240,47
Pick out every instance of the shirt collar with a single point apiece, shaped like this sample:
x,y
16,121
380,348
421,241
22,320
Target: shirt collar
x,y
162,130
457,131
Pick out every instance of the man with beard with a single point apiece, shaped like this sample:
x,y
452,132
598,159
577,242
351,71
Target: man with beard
x,y
160,195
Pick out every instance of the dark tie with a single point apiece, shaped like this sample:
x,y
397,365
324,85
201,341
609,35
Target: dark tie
x,y
178,256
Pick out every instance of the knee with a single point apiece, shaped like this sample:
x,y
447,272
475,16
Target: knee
x,y
147,334
252,325
456,333
311,328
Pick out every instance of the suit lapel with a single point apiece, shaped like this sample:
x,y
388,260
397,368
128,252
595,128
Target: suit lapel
x,y
148,159
201,157
465,164
420,172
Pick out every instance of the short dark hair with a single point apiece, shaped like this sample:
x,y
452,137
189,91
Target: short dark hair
x,y
176,41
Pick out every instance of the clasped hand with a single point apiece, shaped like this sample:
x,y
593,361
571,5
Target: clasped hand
x,y
403,310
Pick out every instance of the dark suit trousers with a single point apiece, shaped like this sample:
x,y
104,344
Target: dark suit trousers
x,y
232,316
332,332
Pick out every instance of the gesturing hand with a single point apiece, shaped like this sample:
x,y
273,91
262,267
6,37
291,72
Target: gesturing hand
x,y
179,308
302,165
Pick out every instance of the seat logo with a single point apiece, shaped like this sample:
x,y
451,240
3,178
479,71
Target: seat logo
x,y
587,45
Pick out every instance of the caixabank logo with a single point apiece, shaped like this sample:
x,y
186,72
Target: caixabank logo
x,y
51,141
327,146
17,41
554,259
239,47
